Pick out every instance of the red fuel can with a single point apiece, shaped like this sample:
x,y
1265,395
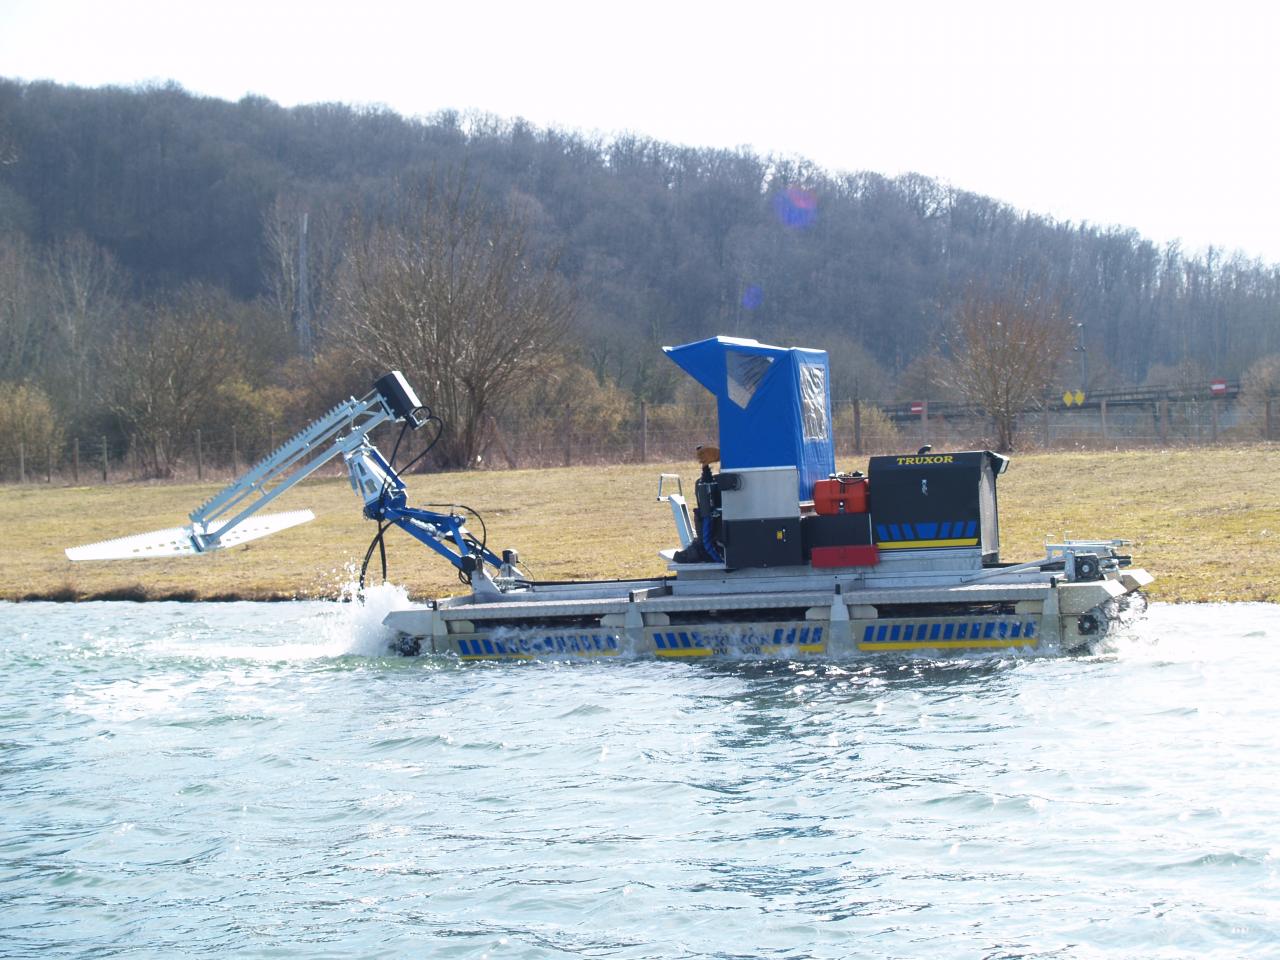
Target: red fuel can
x,y
842,494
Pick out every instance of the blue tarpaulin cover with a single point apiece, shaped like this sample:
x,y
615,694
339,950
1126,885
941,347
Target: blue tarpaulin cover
x,y
774,404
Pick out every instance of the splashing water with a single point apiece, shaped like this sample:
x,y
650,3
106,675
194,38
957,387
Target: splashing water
x,y
355,627
246,631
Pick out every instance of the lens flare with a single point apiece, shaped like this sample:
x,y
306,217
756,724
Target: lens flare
x,y
796,207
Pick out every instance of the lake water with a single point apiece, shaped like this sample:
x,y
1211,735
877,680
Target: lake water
x,y
253,780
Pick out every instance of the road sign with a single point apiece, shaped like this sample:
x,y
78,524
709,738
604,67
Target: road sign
x,y
1069,398
917,407
1218,388
1079,398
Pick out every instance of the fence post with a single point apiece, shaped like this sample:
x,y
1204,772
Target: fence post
x,y
104,459
924,422
857,427
1048,439
1164,419
48,474
133,454
1102,409
644,431
235,452
1213,421
75,460
199,456
1267,426
568,439
22,462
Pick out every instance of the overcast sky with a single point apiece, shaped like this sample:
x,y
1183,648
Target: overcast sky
x,y
1156,116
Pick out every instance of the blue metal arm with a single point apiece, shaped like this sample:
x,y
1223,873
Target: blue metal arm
x,y
438,531
386,500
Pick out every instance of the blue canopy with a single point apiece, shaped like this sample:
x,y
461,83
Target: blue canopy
x,y
774,404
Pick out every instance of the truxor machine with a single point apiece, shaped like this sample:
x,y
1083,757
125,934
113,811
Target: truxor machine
x,y
779,555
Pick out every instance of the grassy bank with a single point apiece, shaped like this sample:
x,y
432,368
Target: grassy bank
x,y
1205,522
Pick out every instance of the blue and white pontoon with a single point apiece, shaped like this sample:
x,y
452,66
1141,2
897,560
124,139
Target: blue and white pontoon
x,y
779,556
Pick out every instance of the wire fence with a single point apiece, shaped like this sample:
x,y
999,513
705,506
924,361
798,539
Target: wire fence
x,y
1120,424
860,429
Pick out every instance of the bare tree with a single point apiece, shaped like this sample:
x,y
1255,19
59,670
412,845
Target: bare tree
x,y
1260,386
22,334
1006,347
444,287
304,248
30,427
86,289
161,376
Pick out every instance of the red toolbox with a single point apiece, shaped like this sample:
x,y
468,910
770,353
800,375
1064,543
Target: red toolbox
x,y
845,556
840,494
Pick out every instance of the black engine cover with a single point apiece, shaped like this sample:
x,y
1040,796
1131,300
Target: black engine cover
x,y
936,500
763,543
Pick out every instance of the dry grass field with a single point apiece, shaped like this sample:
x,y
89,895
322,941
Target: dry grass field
x,y
1206,522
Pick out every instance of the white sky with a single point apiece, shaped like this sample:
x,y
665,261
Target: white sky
x,y
1157,116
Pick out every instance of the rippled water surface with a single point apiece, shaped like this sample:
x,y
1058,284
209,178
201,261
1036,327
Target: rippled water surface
x,y
252,780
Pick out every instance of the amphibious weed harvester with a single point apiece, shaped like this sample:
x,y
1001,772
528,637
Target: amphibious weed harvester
x,y
778,556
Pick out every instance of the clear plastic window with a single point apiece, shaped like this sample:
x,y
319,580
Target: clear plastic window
x,y
813,400
744,373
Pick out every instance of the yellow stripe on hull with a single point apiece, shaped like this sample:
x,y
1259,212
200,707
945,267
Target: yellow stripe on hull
x,y
915,544
534,656
769,651
691,652
950,644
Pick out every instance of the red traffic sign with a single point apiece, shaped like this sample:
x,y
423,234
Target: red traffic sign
x,y
917,406
1218,388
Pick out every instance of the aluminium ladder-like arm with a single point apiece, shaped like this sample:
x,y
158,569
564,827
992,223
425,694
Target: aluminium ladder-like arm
x,y
338,433
228,518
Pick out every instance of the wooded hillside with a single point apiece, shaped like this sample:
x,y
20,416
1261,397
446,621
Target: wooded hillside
x,y
123,211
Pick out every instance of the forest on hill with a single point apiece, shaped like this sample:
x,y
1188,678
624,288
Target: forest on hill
x,y
144,226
